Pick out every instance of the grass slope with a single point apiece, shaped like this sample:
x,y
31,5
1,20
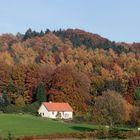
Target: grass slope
x,y
20,125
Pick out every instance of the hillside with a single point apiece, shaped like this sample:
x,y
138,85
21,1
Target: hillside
x,y
72,65
16,49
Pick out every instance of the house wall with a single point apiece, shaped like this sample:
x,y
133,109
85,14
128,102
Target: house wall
x,y
68,115
54,114
43,111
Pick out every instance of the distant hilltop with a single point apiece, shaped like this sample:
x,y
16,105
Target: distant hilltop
x,y
78,37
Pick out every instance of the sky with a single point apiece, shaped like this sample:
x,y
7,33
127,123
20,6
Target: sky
x,y
117,20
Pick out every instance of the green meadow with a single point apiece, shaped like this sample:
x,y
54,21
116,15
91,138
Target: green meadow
x,y
21,125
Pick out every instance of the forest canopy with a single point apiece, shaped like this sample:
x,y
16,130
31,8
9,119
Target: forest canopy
x,y
70,65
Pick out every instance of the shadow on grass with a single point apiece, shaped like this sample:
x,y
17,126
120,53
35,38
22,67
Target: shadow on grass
x,y
82,129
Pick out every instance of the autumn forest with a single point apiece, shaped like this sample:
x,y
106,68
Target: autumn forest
x,y
99,78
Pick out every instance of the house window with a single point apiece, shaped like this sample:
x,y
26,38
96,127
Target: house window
x,y
52,113
67,115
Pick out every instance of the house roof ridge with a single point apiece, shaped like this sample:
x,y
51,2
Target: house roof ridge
x,y
58,106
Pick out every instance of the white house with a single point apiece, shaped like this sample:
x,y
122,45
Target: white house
x,y
56,110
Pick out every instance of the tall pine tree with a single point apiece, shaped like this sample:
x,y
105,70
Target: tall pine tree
x,y
41,93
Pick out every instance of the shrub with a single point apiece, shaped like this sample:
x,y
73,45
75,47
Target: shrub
x,y
10,136
113,133
28,108
31,108
120,133
28,138
110,109
102,133
78,119
12,109
20,102
135,117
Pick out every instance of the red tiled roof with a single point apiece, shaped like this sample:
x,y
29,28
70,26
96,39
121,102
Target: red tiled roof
x,y
57,106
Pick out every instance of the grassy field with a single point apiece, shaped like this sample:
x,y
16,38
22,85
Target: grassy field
x,y
20,125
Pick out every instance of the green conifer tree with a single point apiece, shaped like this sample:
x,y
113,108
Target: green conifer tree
x,y
41,93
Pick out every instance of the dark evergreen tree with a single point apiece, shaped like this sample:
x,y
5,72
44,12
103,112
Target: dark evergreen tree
x,y
5,98
11,86
41,93
47,31
115,85
34,33
19,36
28,34
1,103
41,33
55,49
137,95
